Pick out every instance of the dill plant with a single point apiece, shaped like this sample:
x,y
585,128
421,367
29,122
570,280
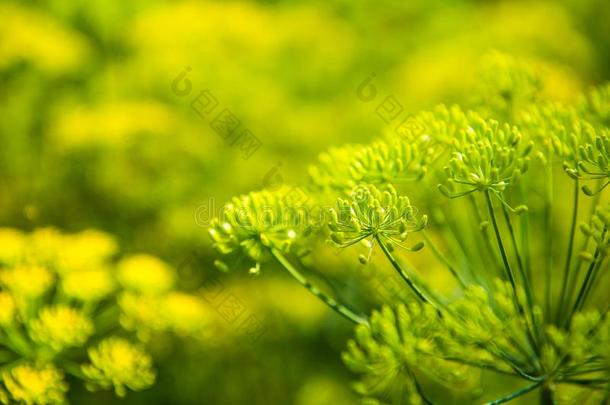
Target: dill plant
x,y
69,311
509,196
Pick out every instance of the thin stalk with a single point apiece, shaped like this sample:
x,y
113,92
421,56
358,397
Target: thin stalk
x,y
486,238
517,393
548,228
339,308
566,271
593,282
574,279
509,272
418,292
525,226
526,281
443,259
582,295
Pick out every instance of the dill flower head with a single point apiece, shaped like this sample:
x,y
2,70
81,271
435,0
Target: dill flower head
x,y
395,160
60,327
145,274
27,280
333,170
596,105
435,128
593,159
507,83
257,222
7,308
117,363
487,156
88,285
398,343
554,128
373,213
31,384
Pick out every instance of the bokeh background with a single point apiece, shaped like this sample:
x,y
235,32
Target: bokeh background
x,y
95,135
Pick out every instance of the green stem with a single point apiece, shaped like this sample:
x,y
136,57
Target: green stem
x,y
548,237
525,224
486,239
584,289
509,272
546,396
566,271
443,259
517,393
574,279
418,292
339,308
526,281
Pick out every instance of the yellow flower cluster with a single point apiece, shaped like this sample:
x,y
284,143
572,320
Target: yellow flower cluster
x,y
61,292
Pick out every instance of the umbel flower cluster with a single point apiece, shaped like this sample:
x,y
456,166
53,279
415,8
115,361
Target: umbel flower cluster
x,y
68,309
510,201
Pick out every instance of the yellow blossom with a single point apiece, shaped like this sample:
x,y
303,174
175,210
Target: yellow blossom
x,y
117,363
145,274
60,327
27,281
11,245
7,308
88,285
39,385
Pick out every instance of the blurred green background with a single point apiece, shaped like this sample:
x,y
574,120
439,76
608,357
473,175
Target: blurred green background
x,y
94,134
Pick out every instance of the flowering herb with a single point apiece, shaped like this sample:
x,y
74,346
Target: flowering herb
x,y
526,300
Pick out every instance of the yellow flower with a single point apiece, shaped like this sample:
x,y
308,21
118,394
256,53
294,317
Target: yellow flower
x,y
145,274
88,285
31,384
7,308
11,245
60,327
139,312
113,124
82,250
117,363
44,244
183,313
27,281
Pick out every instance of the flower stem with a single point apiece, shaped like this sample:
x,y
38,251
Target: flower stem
x,y
443,259
517,393
526,281
332,303
418,292
566,275
509,272
548,228
585,288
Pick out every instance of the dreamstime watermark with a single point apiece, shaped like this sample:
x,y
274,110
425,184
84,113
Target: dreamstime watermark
x,y
389,109
295,213
227,304
225,123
